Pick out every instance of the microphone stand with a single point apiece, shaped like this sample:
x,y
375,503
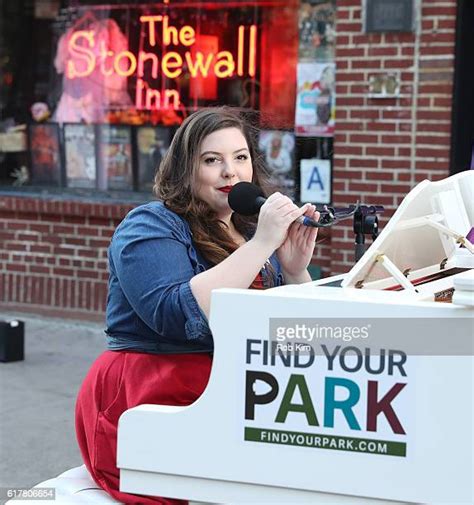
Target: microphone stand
x,y
365,222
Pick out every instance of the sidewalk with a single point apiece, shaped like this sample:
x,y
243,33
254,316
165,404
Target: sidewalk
x,y
37,439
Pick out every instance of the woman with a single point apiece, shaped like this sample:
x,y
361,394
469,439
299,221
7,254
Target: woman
x,y
165,258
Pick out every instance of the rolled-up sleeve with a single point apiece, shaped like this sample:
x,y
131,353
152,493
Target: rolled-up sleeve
x,y
278,274
151,253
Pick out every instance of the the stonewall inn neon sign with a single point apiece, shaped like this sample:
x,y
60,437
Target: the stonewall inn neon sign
x,y
87,54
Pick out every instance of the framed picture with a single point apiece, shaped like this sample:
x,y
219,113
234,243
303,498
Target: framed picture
x,y
278,147
315,100
386,85
45,154
317,33
383,16
80,156
115,157
151,142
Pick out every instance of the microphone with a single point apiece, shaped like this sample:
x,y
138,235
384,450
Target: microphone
x,y
246,198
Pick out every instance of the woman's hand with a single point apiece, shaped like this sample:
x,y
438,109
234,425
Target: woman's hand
x,y
275,220
296,251
240,268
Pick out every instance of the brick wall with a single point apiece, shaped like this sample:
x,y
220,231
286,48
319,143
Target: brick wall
x,y
383,147
53,255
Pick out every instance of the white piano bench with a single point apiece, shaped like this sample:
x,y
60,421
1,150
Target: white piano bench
x,y
73,486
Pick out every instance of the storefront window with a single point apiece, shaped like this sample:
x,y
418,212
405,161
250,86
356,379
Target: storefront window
x,y
92,93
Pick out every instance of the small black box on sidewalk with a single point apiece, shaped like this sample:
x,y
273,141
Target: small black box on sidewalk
x,y
12,340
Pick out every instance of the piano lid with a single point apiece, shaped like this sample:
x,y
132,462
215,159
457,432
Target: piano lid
x,y
429,227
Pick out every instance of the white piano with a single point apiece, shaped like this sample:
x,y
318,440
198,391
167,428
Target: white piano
x,y
356,389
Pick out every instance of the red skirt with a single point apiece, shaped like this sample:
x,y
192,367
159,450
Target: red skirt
x,y
120,380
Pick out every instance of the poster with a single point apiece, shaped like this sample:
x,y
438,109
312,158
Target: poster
x,y
315,181
45,166
152,144
317,34
13,141
315,108
79,141
90,91
115,155
278,148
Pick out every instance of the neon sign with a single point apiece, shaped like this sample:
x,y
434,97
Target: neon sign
x,y
87,54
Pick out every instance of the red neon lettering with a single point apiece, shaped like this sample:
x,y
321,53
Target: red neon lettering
x,y
240,51
151,27
252,50
197,65
84,54
132,66
167,64
153,97
150,95
168,32
104,54
171,35
187,35
142,57
171,93
138,93
227,62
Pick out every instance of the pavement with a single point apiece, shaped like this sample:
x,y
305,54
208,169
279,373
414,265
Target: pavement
x,y
37,397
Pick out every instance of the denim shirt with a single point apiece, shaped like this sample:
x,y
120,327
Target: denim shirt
x,y
150,305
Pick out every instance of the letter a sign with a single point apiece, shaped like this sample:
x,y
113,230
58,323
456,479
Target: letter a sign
x,y
315,181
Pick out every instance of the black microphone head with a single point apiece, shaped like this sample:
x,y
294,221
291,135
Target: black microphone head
x,y
246,198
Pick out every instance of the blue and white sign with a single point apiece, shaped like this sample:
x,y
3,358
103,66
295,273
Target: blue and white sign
x,y
315,181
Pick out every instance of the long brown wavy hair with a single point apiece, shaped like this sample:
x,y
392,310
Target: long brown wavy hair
x,y
177,174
